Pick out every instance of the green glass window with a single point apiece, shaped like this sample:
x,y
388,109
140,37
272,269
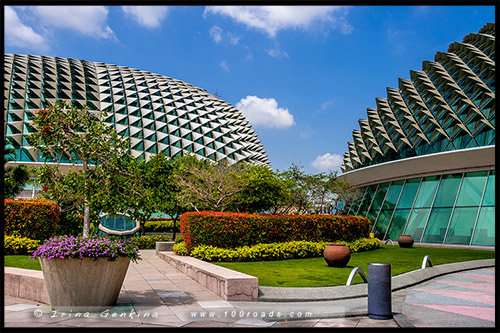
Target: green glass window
x,y
485,229
426,193
448,189
461,226
489,193
382,223
379,197
409,191
397,224
377,202
416,223
472,189
367,200
437,225
393,195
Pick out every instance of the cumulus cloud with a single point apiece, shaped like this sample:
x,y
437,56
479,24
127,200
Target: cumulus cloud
x,y
146,16
86,20
19,34
272,19
327,162
264,112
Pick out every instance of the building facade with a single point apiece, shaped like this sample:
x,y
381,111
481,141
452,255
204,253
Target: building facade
x,y
424,159
157,113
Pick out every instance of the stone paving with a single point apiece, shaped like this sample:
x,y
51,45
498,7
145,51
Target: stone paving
x,y
155,294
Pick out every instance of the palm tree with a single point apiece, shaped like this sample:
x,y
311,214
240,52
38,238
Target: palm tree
x,y
14,178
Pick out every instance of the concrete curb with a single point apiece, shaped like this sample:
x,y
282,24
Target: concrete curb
x,y
25,283
228,284
406,280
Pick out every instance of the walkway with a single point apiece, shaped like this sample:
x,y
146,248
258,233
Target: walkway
x,y
156,294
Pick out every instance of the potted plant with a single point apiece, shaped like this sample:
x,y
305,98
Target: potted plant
x,y
84,273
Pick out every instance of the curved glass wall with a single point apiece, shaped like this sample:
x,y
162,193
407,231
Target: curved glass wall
x,y
444,209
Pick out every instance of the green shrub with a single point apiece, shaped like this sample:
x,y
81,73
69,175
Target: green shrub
x,y
148,242
160,225
70,223
230,230
19,245
34,218
178,239
272,251
180,249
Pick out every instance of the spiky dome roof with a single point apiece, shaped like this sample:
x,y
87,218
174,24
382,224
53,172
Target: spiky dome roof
x,y
157,113
449,105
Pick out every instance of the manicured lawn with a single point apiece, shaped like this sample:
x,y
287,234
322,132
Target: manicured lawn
x,y
315,272
20,261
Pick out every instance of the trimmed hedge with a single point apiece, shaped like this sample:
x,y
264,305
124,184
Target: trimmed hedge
x,y
19,245
230,230
273,251
148,242
35,219
164,225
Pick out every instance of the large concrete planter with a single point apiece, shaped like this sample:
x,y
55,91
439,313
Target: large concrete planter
x,y
83,284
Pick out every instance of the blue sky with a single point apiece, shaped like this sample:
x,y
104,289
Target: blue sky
x,y
302,76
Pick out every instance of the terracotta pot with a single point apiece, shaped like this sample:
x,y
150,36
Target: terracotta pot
x,y
405,241
83,284
337,255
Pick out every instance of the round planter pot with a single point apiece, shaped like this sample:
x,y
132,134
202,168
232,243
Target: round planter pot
x,y
83,284
337,255
405,241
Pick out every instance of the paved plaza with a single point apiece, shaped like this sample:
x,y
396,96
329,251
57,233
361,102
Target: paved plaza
x,y
155,294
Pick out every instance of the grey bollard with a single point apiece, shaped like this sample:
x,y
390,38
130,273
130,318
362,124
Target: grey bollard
x,y
379,291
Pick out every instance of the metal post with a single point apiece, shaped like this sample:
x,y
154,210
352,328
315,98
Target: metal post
x,y
379,291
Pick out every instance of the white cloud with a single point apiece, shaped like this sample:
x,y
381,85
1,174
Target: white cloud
x,y
272,19
218,34
21,35
277,53
87,20
327,162
224,65
264,112
147,16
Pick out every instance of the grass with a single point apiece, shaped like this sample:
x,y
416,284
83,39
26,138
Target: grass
x,y
21,261
314,272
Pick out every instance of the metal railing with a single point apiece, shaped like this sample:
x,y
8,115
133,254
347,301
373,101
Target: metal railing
x,y
427,260
356,270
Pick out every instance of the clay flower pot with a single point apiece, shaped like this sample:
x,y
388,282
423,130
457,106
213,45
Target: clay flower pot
x,y
337,255
405,241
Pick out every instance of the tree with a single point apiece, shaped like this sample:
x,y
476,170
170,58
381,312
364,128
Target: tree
x,y
322,193
97,153
262,188
206,185
14,178
159,178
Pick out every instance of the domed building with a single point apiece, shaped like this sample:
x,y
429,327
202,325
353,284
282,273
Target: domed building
x,y
157,113
424,159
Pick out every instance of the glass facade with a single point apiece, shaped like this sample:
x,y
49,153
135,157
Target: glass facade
x,y
445,209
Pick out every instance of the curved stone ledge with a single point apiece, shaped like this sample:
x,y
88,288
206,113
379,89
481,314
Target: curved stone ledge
x,y
226,283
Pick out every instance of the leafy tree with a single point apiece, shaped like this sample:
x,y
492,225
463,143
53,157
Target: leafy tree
x,y
98,154
14,178
261,189
206,185
159,178
322,193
